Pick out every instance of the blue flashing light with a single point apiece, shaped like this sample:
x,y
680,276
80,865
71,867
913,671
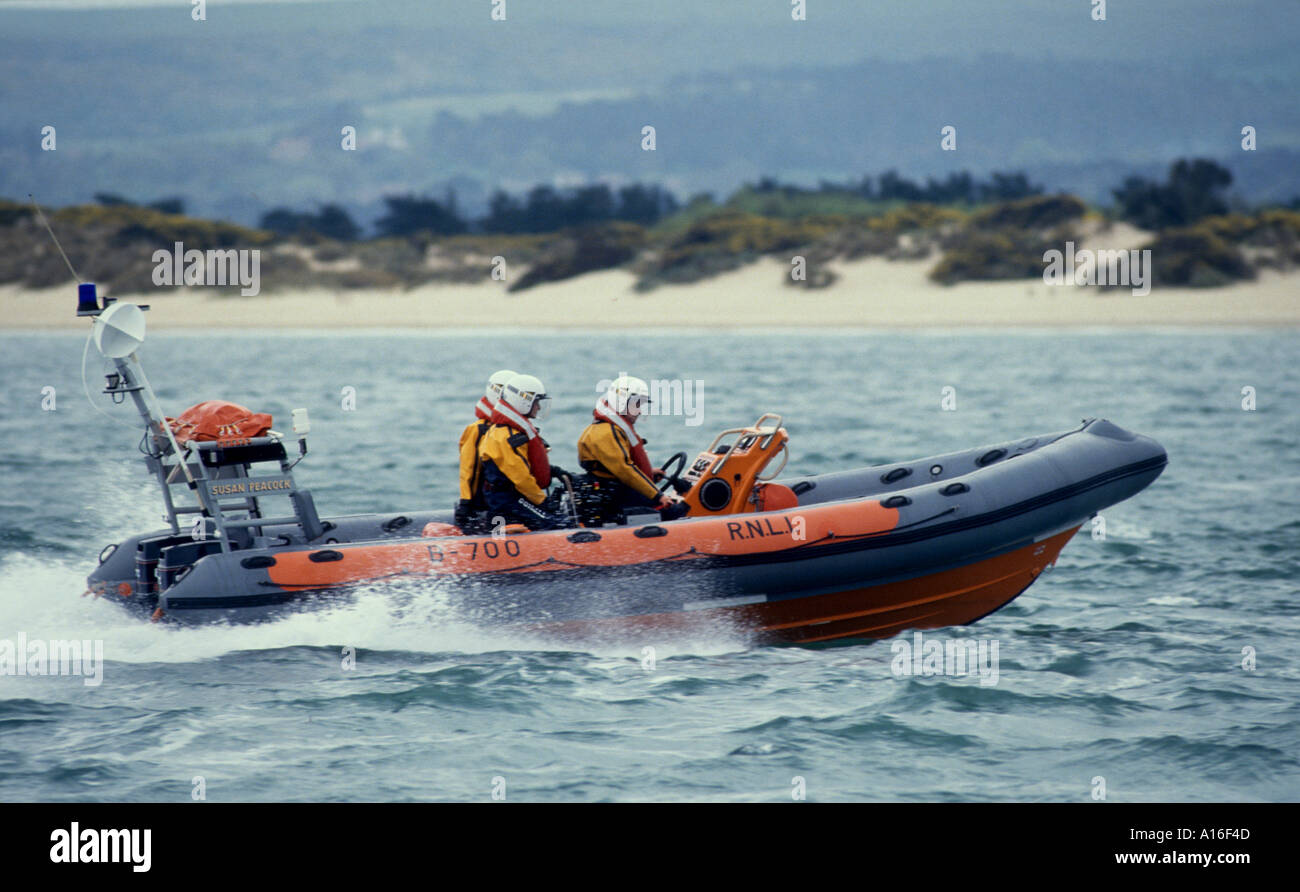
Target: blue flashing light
x,y
87,301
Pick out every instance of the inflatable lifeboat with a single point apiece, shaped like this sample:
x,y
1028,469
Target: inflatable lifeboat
x,y
933,542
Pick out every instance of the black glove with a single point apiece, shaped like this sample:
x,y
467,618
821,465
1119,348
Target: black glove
x,y
464,513
557,472
674,511
551,504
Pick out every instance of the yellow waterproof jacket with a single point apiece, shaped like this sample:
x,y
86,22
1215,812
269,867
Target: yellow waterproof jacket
x,y
471,469
511,460
604,450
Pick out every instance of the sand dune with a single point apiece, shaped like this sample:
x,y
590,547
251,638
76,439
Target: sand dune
x,y
873,293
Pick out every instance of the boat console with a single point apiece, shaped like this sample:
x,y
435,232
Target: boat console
x,y
728,478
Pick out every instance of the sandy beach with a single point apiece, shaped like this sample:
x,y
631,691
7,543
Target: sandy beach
x,y
871,293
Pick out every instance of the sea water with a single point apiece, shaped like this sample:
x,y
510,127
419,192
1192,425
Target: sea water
x,y
1158,660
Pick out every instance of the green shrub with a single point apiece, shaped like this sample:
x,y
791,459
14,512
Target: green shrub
x,y
1272,228
723,242
992,255
1229,227
12,211
797,204
584,249
1035,212
1197,258
516,248
911,217
1280,219
852,242
131,224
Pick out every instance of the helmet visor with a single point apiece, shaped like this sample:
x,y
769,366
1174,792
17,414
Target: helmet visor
x,y
543,407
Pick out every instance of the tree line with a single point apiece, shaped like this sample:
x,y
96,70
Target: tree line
x,y
957,188
163,205
541,209
1193,189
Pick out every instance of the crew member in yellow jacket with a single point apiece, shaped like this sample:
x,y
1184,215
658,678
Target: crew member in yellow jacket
x,y
516,468
613,453
471,505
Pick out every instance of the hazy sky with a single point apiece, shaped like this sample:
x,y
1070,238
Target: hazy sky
x,y
723,33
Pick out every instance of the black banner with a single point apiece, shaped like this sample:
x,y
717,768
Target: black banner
x,y
326,841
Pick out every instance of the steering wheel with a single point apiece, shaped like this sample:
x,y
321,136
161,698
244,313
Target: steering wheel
x,y
672,478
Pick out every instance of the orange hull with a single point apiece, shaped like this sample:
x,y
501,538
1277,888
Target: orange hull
x,y
949,598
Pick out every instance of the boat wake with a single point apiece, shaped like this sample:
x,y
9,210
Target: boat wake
x,y
41,599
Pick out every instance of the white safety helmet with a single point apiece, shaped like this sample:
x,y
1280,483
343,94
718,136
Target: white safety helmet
x,y
495,382
523,393
626,391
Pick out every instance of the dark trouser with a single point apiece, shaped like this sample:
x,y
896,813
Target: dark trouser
x,y
520,510
626,497
609,499
471,517
504,501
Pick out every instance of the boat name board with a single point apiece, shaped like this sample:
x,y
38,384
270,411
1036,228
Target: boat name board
x,y
251,486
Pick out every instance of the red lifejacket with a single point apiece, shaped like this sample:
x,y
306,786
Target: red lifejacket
x,y
605,412
538,461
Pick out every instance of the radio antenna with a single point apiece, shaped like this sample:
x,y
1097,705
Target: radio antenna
x,y
46,224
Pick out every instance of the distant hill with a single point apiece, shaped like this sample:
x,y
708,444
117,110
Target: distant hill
x,y
243,112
